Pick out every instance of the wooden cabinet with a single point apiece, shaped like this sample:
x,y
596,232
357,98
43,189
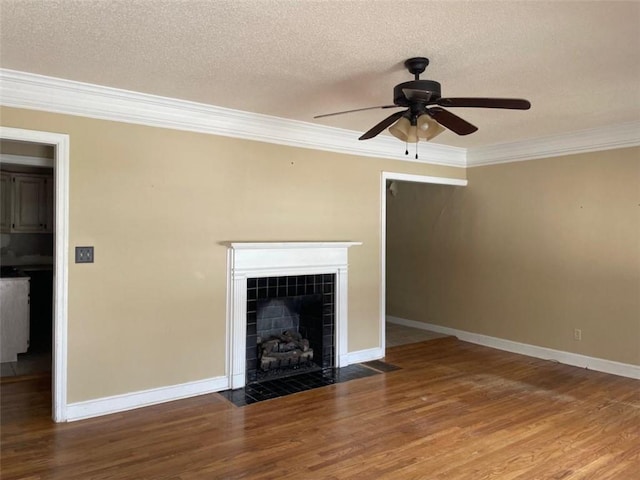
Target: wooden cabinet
x,y
28,203
5,202
49,199
27,199
14,318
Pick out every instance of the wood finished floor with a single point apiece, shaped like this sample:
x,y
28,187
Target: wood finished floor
x,y
396,335
454,411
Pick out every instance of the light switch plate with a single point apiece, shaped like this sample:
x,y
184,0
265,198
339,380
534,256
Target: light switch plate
x,y
84,254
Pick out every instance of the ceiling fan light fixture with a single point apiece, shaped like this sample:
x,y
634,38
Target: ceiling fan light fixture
x,y
404,131
424,117
428,128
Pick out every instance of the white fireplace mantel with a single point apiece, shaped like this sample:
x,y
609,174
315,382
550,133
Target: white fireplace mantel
x,y
275,259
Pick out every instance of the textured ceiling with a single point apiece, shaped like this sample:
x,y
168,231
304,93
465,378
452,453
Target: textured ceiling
x,y
577,62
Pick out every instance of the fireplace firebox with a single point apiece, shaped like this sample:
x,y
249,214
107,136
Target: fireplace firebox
x,y
290,325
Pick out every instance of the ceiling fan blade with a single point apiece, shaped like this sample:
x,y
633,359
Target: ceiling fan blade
x,y
510,103
356,110
415,95
451,121
387,122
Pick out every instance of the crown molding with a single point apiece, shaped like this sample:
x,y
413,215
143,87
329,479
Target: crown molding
x,y
583,141
38,92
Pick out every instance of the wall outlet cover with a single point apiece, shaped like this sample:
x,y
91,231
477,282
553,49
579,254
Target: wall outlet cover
x,y
84,254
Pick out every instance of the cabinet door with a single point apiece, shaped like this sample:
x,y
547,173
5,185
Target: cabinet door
x,y
5,202
48,207
28,202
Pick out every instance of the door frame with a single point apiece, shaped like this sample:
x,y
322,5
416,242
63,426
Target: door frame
x,y
404,177
60,142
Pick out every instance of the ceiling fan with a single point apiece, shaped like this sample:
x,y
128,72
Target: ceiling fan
x,y
424,117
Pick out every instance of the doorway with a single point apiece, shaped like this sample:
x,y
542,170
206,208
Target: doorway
x,y
59,167
26,249
389,186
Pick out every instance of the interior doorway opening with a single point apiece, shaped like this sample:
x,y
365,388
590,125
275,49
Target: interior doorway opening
x,y
391,187
26,255
51,251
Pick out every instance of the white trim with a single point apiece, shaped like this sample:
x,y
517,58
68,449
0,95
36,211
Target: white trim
x,y
584,141
365,355
409,177
275,259
288,245
38,92
26,160
144,398
60,142
229,308
567,358
405,177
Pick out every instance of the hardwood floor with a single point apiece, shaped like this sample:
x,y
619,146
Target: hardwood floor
x,y
454,411
396,334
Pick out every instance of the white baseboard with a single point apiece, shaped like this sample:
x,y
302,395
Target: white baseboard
x,y
144,398
574,359
365,355
130,401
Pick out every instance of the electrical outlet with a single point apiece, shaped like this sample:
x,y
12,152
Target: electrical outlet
x,y
84,254
577,334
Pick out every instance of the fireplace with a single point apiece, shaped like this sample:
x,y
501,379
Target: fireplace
x,y
273,271
290,325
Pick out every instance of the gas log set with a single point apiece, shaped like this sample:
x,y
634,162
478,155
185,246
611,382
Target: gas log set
x,y
286,350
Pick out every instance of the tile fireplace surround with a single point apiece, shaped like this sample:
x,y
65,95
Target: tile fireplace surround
x,y
278,259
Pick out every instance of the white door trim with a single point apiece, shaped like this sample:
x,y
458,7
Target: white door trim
x,y
60,142
405,177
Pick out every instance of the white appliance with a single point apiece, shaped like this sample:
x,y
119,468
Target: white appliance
x,y
14,317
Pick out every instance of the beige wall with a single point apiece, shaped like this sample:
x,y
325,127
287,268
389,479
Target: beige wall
x,y
528,251
156,204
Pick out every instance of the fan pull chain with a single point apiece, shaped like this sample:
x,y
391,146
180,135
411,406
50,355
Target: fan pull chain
x,y
416,150
406,147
